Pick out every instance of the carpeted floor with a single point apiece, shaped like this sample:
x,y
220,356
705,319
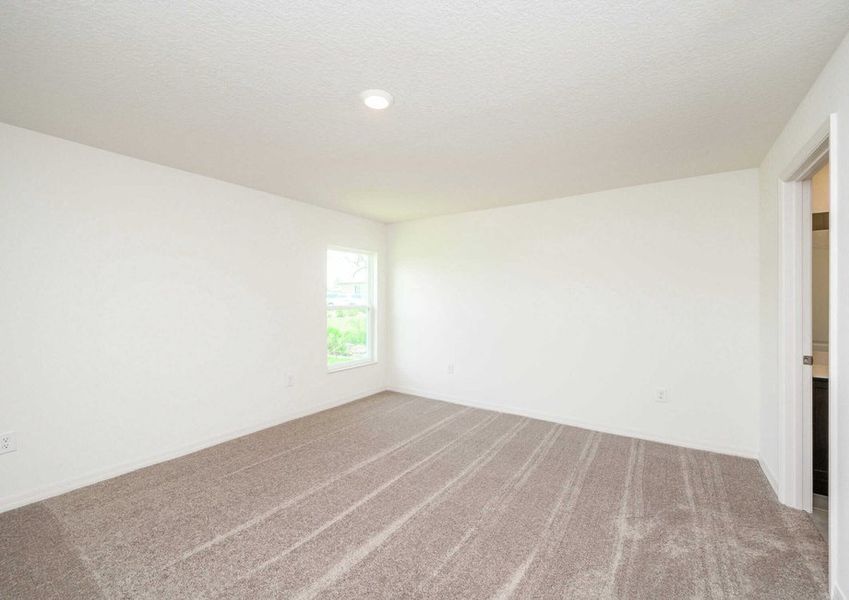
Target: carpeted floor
x,y
400,497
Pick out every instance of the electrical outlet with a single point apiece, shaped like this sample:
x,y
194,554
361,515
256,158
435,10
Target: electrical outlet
x,y
7,442
662,395
290,380
451,368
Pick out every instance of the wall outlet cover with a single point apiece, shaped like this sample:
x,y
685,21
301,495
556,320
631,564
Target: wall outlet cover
x,y
7,442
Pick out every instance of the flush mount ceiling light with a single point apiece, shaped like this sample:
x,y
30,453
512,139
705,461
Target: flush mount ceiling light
x,y
376,99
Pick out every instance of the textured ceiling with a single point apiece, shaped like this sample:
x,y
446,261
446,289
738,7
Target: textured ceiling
x,y
496,102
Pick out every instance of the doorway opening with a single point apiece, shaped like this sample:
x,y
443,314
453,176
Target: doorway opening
x,y
820,206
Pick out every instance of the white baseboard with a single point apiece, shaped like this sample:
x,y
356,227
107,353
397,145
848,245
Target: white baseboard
x,y
36,495
43,493
544,416
836,594
770,477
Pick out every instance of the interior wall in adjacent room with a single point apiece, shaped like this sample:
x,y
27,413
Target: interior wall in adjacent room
x,y
819,259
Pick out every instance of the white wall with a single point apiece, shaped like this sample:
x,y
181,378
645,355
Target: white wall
x,y
145,310
829,94
578,309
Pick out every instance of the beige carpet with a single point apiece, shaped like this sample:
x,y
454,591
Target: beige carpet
x,y
401,497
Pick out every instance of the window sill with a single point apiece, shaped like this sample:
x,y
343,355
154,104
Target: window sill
x,y
351,365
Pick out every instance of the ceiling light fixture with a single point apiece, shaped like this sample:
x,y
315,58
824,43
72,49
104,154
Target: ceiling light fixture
x,y
376,99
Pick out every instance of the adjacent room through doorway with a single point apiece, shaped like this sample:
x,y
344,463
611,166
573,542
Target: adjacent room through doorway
x,y
819,337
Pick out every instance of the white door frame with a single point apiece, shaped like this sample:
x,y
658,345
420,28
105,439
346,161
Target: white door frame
x,y
795,419
795,379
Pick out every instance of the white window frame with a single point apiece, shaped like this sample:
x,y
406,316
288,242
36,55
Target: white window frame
x,y
371,311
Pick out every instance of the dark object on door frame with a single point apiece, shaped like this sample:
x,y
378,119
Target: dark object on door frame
x,y
820,435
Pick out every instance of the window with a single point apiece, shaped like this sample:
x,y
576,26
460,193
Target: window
x,y
350,308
